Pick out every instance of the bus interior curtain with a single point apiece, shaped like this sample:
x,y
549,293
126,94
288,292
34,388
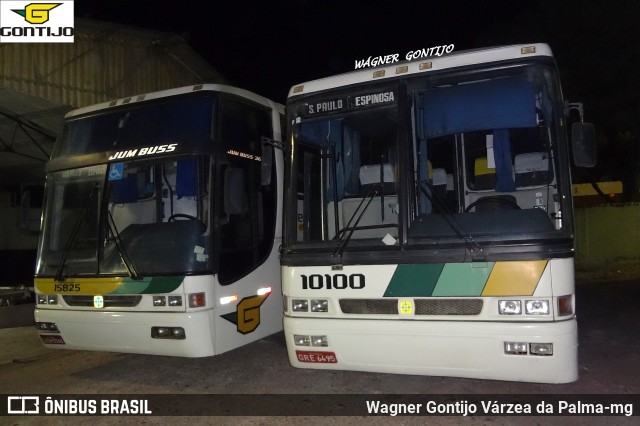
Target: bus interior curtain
x,y
503,161
495,104
186,178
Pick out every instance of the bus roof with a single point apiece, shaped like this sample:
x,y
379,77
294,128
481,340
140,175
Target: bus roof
x,y
424,65
173,92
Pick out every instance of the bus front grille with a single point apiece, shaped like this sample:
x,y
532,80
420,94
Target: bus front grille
x,y
434,307
110,301
369,306
448,306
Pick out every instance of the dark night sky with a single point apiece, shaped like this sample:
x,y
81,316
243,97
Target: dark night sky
x,y
267,47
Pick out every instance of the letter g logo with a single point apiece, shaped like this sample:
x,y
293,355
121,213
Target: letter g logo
x,y
37,13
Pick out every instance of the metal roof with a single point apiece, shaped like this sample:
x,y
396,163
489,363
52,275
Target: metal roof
x,y
41,82
28,128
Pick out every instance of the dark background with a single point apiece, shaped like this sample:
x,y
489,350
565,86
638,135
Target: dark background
x,y
267,47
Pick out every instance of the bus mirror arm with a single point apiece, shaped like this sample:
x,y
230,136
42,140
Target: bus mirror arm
x,y
266,168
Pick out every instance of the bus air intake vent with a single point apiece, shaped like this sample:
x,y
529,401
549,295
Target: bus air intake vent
x,y
110,301
369,306
448,306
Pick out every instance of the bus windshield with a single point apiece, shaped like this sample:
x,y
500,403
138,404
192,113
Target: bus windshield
x,y
132,218
457,159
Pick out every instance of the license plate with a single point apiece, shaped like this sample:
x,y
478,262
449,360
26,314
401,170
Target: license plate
x,y
317,357
49,339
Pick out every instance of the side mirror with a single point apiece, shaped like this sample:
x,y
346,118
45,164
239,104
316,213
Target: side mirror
x,y
583,143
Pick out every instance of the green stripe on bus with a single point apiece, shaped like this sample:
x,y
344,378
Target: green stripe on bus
x,y
463,279
149,285
414,280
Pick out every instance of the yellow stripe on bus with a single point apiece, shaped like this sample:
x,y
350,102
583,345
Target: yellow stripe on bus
x,y
518,278
86,286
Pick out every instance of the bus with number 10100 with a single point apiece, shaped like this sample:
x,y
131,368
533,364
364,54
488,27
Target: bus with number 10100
x,y
428,220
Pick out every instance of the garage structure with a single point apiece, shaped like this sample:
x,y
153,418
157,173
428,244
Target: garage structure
x,y
41,82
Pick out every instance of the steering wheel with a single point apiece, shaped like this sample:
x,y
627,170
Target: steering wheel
x,y
183,216
174,217
507,201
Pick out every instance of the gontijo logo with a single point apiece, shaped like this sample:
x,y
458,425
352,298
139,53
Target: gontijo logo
x,y
36,22
36,13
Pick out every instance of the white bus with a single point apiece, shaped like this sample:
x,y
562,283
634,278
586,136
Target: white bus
x,y
160,230
428,219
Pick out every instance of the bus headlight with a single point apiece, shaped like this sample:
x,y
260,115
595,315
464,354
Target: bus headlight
x,y
319,305
300,305
515,348
42,299
319,341
301,340
159,301
536,307
541,349
175,300
509,307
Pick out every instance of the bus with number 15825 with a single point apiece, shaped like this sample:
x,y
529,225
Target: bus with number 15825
x,y
162,223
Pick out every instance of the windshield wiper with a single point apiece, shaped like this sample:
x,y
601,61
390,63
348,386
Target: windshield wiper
x,y
133,273
343,241
72,237
470,243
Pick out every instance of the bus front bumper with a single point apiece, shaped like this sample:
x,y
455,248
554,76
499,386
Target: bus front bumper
x,y
437,348
128,332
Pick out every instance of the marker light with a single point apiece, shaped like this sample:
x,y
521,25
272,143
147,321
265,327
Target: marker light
x,y
300,305
319,305
527,50
565,305
536,307
509,307
196,300
264,290
301,340
378,74
228,299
